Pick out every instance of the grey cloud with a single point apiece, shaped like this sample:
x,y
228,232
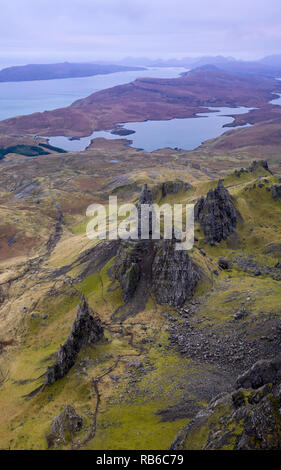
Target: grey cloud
x,y
111,29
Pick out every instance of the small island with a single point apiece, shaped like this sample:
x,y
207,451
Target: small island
x,y
121,131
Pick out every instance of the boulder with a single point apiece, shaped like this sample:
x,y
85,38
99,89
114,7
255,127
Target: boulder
x,y
276,192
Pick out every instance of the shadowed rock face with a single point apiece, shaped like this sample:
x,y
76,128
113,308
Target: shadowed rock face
x,y
127,267
261,373
130,255
145,196
217,214
86,329
247,418
276,191
171,275
174,276
171,187
255,165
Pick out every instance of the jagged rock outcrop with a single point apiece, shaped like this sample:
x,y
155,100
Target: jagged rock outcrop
x,y
145,197
247,418
276,192
127,267
2,295
64,426
86,330
261,373
224,263
170,274
174,275
217,214
255,165
171,187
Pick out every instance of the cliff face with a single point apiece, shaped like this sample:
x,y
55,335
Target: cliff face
x,y
216,214
171,187
246,418
85,330
170,274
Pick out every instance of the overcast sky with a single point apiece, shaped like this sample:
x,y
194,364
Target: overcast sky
x,y
79,30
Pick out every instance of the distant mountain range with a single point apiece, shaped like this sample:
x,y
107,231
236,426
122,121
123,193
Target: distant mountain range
x,y
269,66
23,73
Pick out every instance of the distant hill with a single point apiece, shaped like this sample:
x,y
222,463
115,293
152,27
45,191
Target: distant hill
x,y
30,72
239,67
272,60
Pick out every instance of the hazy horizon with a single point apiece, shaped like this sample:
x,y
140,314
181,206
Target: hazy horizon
x,y
111,30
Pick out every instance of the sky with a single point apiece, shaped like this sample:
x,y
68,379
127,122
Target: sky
x,y
88,30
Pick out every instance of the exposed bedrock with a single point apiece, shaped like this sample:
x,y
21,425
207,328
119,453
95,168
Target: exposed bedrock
x,y
217,214
127,267
255,165
261,373
276,192
244,419
145,196
170,274
86,330
171,187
